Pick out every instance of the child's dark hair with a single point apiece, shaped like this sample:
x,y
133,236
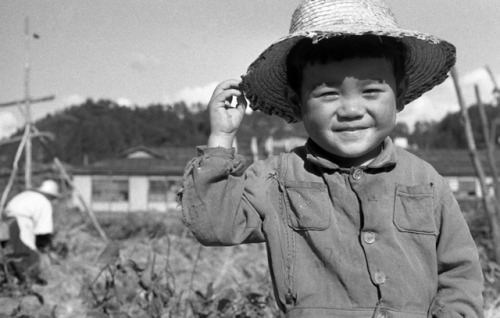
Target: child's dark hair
x,y
342,48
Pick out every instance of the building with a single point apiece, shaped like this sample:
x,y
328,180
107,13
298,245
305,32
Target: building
x,y
457,167
140,179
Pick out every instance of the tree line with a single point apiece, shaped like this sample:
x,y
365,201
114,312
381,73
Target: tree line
x,y
96,130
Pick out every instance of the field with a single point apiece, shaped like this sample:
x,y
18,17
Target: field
x,y
153,267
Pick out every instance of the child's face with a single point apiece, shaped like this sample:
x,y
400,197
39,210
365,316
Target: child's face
x,y
349,107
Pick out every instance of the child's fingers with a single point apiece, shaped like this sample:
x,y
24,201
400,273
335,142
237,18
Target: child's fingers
x,y
225,97
224,93
226,85
241,101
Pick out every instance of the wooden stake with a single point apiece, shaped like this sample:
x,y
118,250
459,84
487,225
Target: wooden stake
x,y
490,143
68,180
492,209
492,77
23,101
89,211
13,173
28,153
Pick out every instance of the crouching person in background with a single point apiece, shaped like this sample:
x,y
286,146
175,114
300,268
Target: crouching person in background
x,y
31,227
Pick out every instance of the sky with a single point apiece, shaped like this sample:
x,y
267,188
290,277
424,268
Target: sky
x,y
141,52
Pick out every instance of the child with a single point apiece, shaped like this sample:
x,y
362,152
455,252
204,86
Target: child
x,y
354,226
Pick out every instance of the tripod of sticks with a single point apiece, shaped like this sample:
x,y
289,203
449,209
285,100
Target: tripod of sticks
x,y
30,131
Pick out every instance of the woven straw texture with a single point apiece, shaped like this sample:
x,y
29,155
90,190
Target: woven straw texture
x,y
427,62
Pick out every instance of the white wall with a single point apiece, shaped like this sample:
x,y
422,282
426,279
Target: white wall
x,y
138,198
83,187
138,193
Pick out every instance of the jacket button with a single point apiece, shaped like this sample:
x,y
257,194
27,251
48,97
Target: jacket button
x,y
379,277
369,237
357,174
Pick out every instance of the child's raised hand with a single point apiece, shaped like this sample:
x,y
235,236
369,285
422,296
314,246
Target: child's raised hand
x,y
224,118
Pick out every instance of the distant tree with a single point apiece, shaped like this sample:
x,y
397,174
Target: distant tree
x,y
422,135
449,132
401,130
101,129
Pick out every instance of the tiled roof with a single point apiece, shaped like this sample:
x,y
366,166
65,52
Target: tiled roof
x,y
171,161
154,152
455,162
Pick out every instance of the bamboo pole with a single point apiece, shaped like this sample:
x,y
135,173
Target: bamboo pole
x,y
494,125
489,144
32,136
27,100
89,211
489,202
496,94
492,77
13,173
32,101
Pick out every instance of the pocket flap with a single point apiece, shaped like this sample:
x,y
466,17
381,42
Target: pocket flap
x,y
310,204
413,209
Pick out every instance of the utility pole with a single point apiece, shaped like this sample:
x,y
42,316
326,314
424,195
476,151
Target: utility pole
x,y
27,101
28,146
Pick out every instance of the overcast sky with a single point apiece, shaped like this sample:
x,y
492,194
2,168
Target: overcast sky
x,y
142,52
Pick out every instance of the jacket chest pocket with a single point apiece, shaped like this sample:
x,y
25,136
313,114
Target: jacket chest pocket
x,y
413,209
308,205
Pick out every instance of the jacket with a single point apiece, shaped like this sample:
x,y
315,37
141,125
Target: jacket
x,y
385,240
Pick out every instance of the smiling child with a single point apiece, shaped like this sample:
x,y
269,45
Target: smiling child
x,y
354,226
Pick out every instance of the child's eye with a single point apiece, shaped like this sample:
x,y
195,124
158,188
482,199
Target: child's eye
x,y
372,92
328,94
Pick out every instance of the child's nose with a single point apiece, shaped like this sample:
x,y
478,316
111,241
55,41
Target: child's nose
x,y
351,108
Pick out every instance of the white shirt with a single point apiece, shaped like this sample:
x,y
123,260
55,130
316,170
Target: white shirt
x,y
33,212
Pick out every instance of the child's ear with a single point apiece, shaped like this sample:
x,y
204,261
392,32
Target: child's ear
x,y
294,100
401,93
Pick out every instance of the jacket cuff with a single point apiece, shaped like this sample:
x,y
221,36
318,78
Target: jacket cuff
x,y
220,152
235,163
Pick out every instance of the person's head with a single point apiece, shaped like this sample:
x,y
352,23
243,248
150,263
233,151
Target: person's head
x,y
50,189
347,90
425,59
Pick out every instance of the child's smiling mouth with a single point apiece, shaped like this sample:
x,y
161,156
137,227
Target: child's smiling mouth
x,y
350,133
349,130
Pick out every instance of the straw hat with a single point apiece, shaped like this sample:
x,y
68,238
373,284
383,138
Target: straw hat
x,y
428,59
49,188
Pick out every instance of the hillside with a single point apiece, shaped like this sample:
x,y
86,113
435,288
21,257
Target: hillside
x,y
101,129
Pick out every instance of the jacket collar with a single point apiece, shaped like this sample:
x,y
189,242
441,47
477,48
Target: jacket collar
x,y
324,160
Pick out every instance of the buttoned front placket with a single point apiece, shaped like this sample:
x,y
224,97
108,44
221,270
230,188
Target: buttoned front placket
x,y
369,234
347,212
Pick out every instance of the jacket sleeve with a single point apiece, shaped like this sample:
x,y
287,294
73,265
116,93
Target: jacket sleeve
x,y
219,198
460,278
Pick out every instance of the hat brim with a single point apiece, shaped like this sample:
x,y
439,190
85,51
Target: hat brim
x,y
49,194
427,63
